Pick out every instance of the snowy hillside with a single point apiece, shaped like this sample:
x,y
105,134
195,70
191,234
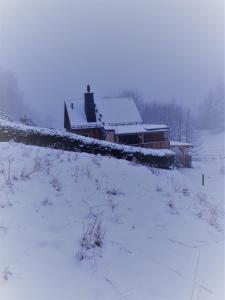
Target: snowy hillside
x,y
79,226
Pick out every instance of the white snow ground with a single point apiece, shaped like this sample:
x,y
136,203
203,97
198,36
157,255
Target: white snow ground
x,y
154,225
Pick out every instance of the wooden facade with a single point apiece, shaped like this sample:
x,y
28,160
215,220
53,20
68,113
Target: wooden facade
x,y
95,132
155,140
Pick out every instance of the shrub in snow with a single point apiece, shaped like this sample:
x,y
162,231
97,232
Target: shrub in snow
x,y
155,171
76,174
25,175
222,170
214,216
92,238
210,213
6,274
158,189
185,192
172,207
5,203
202,199
27,121
97,161
56,184
7,174
46,202
114,192
97,184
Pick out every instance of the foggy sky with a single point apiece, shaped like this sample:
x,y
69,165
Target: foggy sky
x,y
164,48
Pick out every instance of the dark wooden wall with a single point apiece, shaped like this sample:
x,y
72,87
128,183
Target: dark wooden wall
x,y
155,136
95,133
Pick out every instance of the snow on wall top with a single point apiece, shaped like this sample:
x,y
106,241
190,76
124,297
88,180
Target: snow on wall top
x,y
5,125
117,111
77,115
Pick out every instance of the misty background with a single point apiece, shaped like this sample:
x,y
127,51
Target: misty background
x,y
168,55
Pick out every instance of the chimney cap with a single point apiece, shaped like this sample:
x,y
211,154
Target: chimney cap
x,y
88,88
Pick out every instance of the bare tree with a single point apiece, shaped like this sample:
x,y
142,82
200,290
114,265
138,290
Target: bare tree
x,y
11,101
211,112
180,120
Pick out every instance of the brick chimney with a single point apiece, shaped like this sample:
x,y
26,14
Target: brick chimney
x,y
89,105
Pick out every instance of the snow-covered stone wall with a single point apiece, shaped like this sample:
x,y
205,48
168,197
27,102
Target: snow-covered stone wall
x,y
71,142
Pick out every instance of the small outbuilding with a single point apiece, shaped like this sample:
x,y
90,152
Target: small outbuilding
x,y
182,153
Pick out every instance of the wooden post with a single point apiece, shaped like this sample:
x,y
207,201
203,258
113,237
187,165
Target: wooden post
x,y
203,179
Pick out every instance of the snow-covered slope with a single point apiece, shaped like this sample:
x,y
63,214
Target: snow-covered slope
x,y
79,226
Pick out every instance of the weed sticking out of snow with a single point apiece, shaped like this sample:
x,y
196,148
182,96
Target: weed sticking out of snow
x,y
75,175
172,207
92,238
56,184
6,274
97,161
114,192
222,170
158,189
46,202
186,192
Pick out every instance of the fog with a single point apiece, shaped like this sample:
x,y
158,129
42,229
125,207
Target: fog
x,y
164,48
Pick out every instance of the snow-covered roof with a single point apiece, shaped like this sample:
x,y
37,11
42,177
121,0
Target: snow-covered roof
x,y
136,128
117,111
155,127
118,114
77,115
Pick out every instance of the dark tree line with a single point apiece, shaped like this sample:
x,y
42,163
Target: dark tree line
x,y
211,113
184,123
179,119
11,100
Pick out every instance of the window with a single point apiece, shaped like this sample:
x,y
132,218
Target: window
x,y
130,139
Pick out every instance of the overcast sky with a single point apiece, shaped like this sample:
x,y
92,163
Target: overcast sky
x,y
164,48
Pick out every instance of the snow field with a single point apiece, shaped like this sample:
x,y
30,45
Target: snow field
x,y
79,226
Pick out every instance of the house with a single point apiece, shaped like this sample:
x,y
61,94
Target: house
x,y
115,120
